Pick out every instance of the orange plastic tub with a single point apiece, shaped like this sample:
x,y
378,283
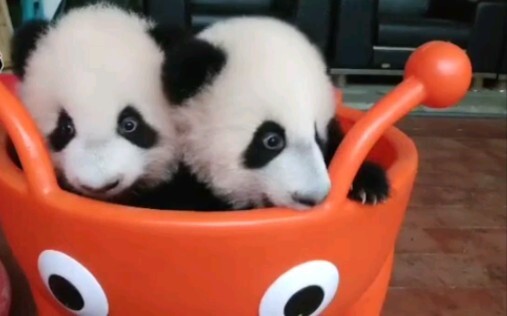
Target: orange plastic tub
x,y
335,259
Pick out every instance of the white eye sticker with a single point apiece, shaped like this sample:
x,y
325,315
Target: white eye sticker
x,y
72,285
305,290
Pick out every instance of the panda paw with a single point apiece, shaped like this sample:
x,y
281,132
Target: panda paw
x,y
371,185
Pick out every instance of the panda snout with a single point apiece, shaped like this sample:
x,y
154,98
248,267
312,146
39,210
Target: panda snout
x,y
311,198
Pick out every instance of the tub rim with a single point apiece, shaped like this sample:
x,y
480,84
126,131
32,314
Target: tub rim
x,y
403,147
437,74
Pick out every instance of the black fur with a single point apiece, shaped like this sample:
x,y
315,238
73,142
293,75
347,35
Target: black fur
x,y
256,154
24,41
334,138
183,192
63,132
189,67
167,35
143,136
371,181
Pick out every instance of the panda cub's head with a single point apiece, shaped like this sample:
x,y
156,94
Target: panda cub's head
x,y
92,83
255,107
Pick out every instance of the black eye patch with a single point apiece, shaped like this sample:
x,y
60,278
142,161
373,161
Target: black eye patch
x,y
268,142
134,128
63,133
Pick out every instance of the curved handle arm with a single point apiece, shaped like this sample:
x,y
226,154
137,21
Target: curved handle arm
x,y
27,140
437,74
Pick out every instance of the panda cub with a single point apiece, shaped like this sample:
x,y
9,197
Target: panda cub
x,y
256,112
91,81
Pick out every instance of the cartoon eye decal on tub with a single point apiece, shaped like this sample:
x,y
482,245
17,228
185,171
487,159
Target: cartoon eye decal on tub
x,y
71,284
305,290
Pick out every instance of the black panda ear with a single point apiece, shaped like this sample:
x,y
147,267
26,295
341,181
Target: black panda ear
x,y
168,35
189,67
24,41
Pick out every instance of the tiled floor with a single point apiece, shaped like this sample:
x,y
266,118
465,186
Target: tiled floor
x,y
451,253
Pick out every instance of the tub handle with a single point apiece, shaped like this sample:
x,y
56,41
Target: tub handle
x,y
27,140
437,74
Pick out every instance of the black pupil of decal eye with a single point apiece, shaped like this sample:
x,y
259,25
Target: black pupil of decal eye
x,y
65,292
305,302
135,129
129,124
273,141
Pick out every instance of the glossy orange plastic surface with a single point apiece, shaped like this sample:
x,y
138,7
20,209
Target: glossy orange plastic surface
x,y
150,262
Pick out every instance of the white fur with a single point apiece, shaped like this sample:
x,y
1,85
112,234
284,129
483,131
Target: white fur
x,y
272,73
95,61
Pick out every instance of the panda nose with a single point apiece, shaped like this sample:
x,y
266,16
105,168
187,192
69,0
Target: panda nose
x,y
305,199
102,189
311,198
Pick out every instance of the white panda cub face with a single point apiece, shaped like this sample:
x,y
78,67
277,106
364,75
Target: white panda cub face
x,y
256,127
102,162
92,84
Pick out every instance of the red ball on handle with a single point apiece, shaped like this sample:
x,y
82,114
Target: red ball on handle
x,y
445,71
437,74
